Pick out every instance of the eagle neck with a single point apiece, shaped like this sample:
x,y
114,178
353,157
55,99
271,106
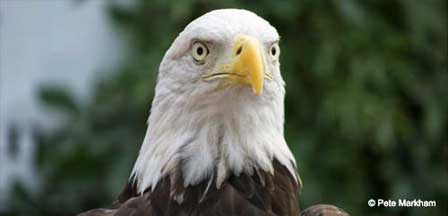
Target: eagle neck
x,y
206,139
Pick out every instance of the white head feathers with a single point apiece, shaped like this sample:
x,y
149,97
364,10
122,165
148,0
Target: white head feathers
x,y
207,130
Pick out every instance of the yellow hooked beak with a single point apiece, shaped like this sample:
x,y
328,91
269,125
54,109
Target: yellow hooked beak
x,y
246,66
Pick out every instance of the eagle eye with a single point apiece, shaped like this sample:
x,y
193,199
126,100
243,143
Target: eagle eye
x,y
199,51
274,51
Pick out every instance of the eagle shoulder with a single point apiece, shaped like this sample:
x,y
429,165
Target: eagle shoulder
x,y
257,193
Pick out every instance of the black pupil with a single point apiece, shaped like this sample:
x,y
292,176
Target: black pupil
x,y
273,51
200,50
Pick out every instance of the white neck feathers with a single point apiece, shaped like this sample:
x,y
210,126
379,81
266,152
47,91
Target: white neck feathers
x,y
199,136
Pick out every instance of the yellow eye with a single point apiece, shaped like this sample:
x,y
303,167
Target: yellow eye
x,y
199,51
275,51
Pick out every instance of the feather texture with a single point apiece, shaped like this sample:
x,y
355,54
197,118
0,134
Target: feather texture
x,y
194,124
213,151
243,195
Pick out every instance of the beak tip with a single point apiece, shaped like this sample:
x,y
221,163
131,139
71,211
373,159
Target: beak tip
x,y
257,92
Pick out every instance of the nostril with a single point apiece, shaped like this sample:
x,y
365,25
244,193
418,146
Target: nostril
x,y
240,49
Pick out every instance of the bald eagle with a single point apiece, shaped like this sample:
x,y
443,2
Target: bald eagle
x,y
214,143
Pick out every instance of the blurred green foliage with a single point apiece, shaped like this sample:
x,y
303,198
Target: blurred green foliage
x,y
366,105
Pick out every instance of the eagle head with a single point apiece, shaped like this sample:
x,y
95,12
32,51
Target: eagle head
x,y
218,106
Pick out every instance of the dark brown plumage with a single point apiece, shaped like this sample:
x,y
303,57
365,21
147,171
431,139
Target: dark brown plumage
x,y
245,195
258,194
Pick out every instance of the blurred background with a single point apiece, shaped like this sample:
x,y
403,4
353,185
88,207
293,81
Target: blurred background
x,y
366,104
